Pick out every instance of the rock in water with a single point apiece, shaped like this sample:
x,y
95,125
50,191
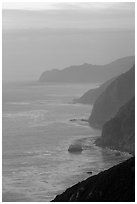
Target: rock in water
x,y
75,148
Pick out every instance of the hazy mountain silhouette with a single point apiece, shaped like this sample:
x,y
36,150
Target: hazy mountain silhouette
x,y
88,73
116,184
119,132
120,91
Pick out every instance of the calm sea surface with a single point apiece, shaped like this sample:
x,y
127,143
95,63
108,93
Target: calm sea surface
x,y
37,132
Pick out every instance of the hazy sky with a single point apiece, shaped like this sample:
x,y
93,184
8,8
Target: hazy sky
x,y
42,36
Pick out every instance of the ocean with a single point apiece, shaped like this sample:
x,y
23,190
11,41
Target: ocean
x,y
36,135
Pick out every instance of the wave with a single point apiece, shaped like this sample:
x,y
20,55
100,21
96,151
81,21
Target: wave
x,y
18,103
86,143
61,123
28,154
27,114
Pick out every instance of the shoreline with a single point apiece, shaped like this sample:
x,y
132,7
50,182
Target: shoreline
x,y
89,172
110,148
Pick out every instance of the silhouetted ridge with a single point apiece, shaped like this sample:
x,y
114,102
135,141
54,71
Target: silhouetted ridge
x,y
116,184
88,73
121,90
119,132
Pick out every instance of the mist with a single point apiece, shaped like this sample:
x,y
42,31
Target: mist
x,y
39,40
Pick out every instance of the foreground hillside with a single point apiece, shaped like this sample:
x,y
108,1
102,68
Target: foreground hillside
x,y
120,91
116,184
119,132
88,73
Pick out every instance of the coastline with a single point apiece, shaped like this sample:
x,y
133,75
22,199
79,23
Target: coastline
x,y
87,160
72,190
110,148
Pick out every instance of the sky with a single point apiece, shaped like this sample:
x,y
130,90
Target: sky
x,y
43,36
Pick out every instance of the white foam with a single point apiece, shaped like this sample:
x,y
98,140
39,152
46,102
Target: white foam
x,y
18,103
27,114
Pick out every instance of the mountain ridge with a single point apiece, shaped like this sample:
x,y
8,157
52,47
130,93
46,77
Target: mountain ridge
x,y
88,73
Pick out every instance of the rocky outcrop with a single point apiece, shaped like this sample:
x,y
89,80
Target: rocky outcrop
x,y
121,90
116,184
75,148
119,132
88,73
90,96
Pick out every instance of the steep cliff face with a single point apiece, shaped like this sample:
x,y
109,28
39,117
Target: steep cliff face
x,y
121,90
88,73
91,96
119,132
116,184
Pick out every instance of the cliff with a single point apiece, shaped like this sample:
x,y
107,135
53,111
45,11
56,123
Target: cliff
x,y
116,184
91,96
119,132
88,73
120,91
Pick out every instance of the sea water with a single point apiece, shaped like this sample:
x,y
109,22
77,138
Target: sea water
x,y
36,135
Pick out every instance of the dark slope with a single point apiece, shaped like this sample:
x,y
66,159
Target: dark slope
x,y
88,73
116,184
119,132
121,90
90,96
